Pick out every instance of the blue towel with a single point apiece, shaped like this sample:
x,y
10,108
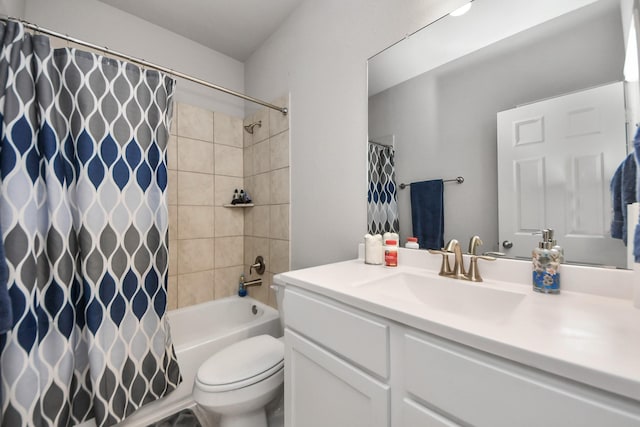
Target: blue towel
x,y
636,235
628,190
623,193
617,221
427,213
6,314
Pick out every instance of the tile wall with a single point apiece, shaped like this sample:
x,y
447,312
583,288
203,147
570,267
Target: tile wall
x,y
266,178
206,240
210,155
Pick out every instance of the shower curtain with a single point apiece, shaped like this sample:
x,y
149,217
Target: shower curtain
x,y
84,224
382,201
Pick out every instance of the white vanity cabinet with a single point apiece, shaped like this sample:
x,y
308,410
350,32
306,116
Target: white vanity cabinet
x,y
480,389
345,367
336,365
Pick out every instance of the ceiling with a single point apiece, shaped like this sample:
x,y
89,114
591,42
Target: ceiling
x,y
235,28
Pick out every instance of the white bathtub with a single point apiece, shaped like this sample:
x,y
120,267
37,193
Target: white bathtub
x,y
198,332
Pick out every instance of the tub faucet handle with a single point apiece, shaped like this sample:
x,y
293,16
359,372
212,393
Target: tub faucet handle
x,y
258,265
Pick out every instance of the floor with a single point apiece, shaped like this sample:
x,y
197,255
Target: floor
x,y
195,417
184,418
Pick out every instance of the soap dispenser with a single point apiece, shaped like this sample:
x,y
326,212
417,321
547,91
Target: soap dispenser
x,y
546,265
242,289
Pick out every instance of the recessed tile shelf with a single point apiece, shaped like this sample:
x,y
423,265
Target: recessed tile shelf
x,y
239,205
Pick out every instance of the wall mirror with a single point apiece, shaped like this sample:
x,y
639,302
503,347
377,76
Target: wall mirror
x,y
484,94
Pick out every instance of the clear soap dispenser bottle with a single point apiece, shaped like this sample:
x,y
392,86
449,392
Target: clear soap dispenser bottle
x,y
546,264
242,289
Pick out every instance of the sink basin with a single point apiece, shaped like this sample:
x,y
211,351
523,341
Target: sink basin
x,y
467,299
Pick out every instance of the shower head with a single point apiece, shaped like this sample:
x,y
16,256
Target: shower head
x,y
249,127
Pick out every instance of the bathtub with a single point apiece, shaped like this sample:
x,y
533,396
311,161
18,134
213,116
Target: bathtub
x,y
198,332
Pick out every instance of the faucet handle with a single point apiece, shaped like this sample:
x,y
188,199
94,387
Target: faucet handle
x,y
445,267
258,266
452,247
474,274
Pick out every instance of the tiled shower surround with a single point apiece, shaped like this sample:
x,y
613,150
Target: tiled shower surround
x,y
266,175
211,245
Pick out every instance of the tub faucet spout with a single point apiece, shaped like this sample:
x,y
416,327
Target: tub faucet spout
x,y
255,282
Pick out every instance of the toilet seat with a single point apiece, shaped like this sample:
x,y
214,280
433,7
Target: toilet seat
x,y
242,364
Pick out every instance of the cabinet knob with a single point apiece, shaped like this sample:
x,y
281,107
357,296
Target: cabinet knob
x,y
507,244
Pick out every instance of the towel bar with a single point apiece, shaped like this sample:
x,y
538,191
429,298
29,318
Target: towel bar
x,y
459,180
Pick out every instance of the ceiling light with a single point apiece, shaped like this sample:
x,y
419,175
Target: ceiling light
x,y
461,10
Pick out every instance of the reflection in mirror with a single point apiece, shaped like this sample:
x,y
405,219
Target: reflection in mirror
x,y
441,95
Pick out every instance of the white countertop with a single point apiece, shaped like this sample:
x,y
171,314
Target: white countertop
x,y
588,338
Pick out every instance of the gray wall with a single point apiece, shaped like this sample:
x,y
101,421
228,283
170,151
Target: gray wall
x,y
14,8
319,55
104,25
445,120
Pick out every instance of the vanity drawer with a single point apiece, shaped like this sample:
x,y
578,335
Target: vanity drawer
x,y
358,337
414,415
484,390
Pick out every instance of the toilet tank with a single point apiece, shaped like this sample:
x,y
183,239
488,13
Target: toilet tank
x,y
278,287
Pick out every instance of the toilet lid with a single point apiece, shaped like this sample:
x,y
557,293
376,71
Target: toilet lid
x,y
241,361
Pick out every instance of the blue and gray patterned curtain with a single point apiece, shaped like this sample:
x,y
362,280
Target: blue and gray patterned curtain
x,y
382,201
84,224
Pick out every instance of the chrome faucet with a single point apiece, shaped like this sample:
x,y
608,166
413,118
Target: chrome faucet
x,y
458,271
254,282
244,284
259,267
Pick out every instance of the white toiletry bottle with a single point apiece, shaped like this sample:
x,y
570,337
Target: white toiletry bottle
x,y
391,236
412,243
373,249
391,253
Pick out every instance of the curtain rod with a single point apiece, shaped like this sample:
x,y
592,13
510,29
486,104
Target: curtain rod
x,y
142,63
380,144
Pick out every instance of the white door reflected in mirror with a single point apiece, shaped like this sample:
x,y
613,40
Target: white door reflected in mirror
x,y
555,158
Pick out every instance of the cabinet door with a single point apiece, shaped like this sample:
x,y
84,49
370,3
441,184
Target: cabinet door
x,y
323,390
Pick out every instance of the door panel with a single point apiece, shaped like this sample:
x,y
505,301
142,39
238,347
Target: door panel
x,y
555,160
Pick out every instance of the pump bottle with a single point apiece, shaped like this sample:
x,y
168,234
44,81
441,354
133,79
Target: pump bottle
x,y
546,264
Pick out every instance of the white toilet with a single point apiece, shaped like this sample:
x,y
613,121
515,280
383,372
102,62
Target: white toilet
x,y
240,380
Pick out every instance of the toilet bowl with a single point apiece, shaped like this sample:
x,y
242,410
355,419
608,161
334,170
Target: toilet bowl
x,y
240,380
